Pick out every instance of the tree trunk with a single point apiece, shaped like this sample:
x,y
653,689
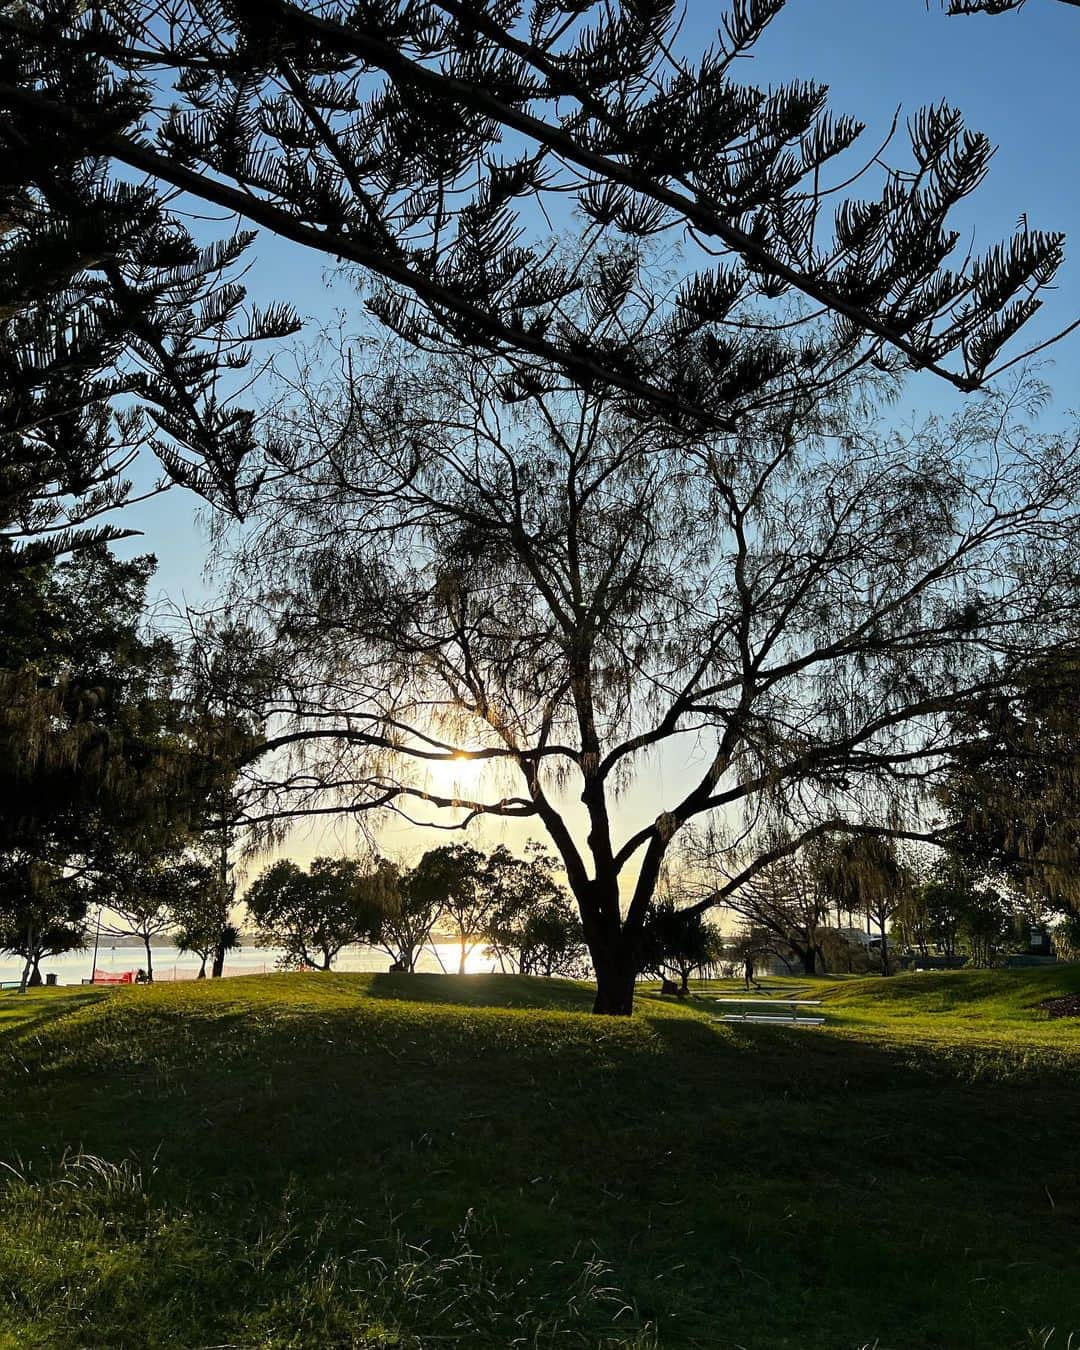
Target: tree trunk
x,y
149,961
35,973
615,978
202,968
808,957
218,967
28,966
461,963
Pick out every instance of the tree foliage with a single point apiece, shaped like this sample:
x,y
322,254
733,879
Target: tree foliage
x,y
42,913
451,879
312,915
146,888
532,921
119,331
1012,796
785,904
552,592
419,143
408,913
678,939
91,745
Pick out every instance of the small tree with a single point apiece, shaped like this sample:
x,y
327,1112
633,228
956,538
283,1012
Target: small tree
x,y
863,873
532,921
787,900
408,911
679,941
452,877
203,924
1066,938
314,914
985,926
144,894
42,914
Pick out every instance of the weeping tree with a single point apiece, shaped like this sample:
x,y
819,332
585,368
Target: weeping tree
x,y
420,145
1012,796
863,874
786,899
407,914
531,586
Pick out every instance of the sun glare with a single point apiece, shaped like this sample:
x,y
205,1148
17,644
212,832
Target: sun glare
x,y
459,776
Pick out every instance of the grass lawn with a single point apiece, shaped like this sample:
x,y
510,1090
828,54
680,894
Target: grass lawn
x,y
429,1161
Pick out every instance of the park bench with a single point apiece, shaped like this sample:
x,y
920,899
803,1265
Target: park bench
x,y
789,1020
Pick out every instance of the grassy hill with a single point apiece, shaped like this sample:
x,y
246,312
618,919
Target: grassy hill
x,y
428,1161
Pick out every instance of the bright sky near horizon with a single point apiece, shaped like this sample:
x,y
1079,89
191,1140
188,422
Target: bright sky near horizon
x,y
1012,76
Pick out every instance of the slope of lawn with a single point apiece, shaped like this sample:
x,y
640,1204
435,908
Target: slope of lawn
x,y
430,1161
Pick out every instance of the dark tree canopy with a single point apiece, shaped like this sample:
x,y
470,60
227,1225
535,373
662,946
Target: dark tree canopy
x,y
531,921
559,591
1012,796
422,144
42,912
89,730
312,915
119,329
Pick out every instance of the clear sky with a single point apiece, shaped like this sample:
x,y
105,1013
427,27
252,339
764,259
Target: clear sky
x,y
1013,76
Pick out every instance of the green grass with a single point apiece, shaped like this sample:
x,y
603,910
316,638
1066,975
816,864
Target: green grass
x,y
429,1161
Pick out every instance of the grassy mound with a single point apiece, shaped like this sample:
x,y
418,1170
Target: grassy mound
x,y
429,1161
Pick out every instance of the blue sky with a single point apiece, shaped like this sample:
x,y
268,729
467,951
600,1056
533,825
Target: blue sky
x,y
1013,76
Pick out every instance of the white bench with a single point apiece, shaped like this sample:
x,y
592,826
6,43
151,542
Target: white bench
x,y
794,1020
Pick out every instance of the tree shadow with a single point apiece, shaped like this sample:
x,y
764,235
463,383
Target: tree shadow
x,y
483,991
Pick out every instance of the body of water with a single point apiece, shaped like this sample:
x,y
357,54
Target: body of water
x,y
170,964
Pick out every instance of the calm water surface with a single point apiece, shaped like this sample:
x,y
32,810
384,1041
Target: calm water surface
x,y
169,964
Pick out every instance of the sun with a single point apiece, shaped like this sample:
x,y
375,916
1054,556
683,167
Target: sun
x,y
461,775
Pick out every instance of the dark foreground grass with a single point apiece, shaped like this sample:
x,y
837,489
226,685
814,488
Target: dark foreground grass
x,y
428,1161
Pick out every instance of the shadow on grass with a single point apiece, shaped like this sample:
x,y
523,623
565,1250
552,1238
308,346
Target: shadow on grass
x,y
483,991
766,1187
35,1009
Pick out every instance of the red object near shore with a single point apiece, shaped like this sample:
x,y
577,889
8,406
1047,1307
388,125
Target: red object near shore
x,y
108,977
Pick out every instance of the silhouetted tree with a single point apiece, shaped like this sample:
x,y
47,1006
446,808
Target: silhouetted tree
x,y
408,911
314,914
452,877
119,333
863,874
678,940
1012,795
42,913
202,925
417,143
787,900
532,920
548,587
144,890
